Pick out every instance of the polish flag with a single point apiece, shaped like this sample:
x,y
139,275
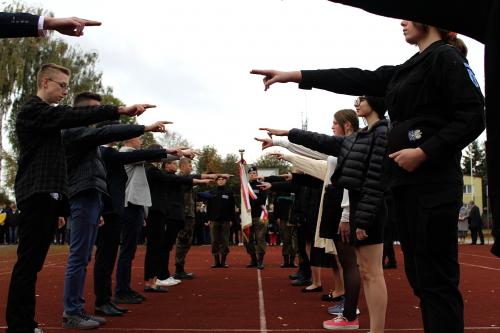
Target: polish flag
x,y
246,193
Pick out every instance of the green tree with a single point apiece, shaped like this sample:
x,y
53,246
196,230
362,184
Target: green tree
x,y
173,139
475,152
209,161
20,61
269,162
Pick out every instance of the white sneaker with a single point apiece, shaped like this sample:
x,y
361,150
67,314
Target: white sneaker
x,y
167,282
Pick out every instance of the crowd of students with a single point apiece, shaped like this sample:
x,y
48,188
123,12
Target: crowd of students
x,y
435,108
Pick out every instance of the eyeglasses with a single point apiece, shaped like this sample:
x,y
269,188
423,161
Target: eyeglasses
x,y
63,85
358,100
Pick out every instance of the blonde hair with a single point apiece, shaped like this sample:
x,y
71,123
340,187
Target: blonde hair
x,y
48,69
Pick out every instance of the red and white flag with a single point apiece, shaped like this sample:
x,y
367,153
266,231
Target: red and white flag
x,y
246,209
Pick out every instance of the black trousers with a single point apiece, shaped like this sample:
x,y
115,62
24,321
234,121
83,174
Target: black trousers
x,y
304,262
37,225
427,226
474,232
108,241
173,228
156,248
132,221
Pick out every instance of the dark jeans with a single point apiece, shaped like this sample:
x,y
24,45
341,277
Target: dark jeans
x,y
427,221
474,232
156,249
37,224
108,241
133,218
86,209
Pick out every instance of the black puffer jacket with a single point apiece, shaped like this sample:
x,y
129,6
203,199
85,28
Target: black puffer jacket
x,y
361,158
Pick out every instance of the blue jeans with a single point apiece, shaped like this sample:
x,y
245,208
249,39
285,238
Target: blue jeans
x,y
132,221
86,208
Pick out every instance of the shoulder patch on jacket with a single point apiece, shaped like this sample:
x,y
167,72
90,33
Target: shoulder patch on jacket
x,y
471,75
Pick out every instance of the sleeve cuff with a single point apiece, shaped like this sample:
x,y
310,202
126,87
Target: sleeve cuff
x,y
41,31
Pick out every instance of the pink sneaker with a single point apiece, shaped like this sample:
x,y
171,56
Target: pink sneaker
x,y
341,323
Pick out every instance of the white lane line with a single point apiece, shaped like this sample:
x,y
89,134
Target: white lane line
x,y
477,255
479,266
262,310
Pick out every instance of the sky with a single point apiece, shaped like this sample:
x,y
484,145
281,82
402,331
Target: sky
x,y
192,58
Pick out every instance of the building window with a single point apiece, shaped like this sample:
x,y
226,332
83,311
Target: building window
x,y
468,189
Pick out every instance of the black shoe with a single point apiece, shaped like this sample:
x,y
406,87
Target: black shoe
x,y
301,282
329,298
183,276
118,308
313,290
260,266
135,294
126,299
107,310
295,276
155,289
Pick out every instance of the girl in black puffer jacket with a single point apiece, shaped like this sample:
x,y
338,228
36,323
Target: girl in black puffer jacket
x,y
359,169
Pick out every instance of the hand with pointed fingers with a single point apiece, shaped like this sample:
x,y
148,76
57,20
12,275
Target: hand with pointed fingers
x,y
272,76
266,142
276,155
134,110
273,131
71,26
190,153
175,151
158,126
264,186
202,181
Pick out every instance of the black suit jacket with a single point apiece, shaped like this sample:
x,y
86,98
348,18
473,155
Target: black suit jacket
x,y
18,25
167,192
42,160
475,220
116,175
85,166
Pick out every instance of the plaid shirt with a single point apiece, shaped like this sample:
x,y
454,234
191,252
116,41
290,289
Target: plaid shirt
x,y
42,162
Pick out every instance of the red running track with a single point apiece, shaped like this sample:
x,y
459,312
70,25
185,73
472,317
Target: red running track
x,y
243,300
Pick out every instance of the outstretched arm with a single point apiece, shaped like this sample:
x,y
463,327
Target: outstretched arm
x,y
465,17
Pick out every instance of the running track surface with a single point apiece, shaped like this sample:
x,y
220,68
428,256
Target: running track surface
x,y
239,299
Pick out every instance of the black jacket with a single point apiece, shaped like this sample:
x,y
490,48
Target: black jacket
x,y
167,192
283,206
86,169
221,205
475,220
18,25
433,102
116,175
257,204
42,160
359,166
307,190
478,20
